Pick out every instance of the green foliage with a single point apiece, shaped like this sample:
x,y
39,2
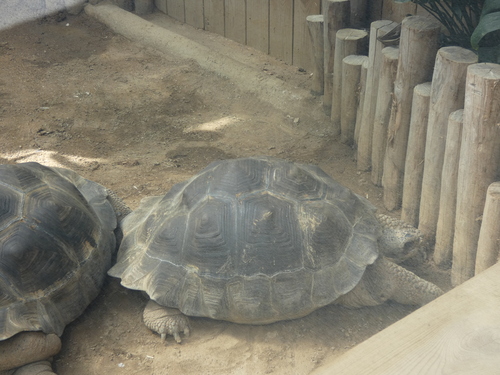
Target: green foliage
x,y
459,17
486,36
470,24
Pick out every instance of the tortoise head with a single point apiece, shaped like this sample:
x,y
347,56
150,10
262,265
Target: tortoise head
x,y
399,241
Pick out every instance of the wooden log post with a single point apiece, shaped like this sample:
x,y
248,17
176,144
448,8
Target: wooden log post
x,y
362,91
414,166
489,236
348,42
336,15
388,70
364,151
445,229
315,25
479,161
359,13
351,75
447,95
417,51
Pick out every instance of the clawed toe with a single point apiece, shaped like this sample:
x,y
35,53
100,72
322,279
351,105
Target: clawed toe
x,y
166,321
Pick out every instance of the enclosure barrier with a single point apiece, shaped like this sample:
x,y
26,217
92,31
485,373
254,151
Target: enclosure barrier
x,y
439,176
387,76
417,52
347,42
447,95
315,25
336,17
414,166
443,249
479,163
364,142
349,98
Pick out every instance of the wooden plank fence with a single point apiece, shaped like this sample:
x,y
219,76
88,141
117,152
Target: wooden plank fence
x,y
276,27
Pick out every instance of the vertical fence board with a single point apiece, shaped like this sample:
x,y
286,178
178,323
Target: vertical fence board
x,y
235,19
194,13
281,29
214,16
258,25
175,9
161,5
302,49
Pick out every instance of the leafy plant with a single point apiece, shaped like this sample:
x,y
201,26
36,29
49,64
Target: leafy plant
x,y
459,17
486,36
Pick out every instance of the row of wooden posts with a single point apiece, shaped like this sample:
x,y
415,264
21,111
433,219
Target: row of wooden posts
x,y
425,121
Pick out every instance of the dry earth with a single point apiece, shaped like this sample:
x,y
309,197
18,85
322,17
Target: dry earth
x,y
76,95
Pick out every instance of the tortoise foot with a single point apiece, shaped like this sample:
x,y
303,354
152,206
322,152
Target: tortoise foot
x,y
166,321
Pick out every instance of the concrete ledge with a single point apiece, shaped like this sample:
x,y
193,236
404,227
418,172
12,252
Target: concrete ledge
x,y
458,333
270,89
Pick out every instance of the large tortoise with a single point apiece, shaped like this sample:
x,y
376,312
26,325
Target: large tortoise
x,y
57,237
258,240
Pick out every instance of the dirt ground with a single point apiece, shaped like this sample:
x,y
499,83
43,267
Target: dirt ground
x,y
76,95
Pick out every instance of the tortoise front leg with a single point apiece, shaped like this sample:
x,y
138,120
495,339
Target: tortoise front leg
x,y
165,321
385,280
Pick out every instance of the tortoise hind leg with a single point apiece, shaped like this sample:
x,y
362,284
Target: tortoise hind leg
x,y
408,288
165,321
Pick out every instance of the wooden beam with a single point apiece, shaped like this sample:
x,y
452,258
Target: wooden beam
x,y
387,76
362,92
175,9
214,16
351,77
445,229
143,7
235,20
336,15
414,166
347,42
161,5
258,25
315,23
447,95
194,13
302,49
489,237
281,30
454,334
364,152
417,53
479,161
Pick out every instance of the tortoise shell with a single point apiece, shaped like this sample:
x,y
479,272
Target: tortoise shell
x,y
56,243
252,240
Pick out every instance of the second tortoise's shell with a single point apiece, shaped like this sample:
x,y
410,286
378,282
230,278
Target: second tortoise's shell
x,y
252,240
56,242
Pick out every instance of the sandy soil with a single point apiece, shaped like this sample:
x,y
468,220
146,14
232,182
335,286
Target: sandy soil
x,y
76,95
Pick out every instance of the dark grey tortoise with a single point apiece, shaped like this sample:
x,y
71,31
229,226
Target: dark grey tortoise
x,y
259,240
57,237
